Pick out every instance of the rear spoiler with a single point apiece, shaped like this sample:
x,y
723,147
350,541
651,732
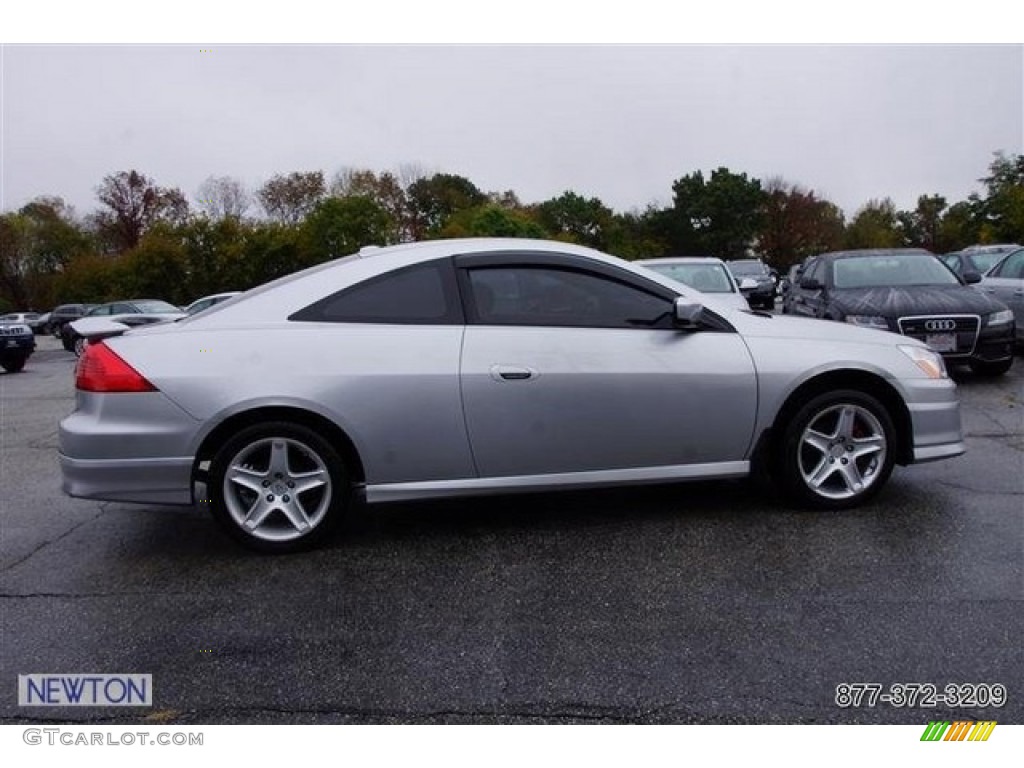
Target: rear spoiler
x,y
96,328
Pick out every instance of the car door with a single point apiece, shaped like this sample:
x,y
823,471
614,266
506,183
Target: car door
x,y
570,368
1006,283
807,301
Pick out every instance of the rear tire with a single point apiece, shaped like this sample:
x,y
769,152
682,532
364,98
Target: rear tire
x,y
278,487
837,451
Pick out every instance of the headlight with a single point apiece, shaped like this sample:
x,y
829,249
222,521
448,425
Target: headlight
x,y
930,362
999,318
868,321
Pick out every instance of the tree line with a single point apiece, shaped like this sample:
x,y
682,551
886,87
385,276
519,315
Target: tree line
x,y
144,240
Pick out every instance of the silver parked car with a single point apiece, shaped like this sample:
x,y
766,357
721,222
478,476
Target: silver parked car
x,y
705,274
1005,282
460,367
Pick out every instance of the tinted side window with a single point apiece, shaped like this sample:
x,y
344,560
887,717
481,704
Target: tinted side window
x,y
814,271
549,296
424,294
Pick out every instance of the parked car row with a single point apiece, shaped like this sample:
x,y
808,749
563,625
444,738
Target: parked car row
x,y
944,301
131,313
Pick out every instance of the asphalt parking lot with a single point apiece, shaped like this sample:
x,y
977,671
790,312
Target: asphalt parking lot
x,y
705,603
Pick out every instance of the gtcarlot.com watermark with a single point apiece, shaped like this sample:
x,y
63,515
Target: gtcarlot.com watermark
x,y
79,738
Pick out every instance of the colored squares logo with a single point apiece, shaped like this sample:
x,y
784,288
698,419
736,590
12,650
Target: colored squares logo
x,y
961,730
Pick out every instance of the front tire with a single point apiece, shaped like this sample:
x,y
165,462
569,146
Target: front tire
x,y
14,365
278,487
985,368
838,450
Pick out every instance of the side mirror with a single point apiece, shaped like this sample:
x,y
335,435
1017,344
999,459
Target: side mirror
x,y
811,284
971,277
687,313
748,284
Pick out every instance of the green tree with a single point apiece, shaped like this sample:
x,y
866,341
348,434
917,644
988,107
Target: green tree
x,y
575,218
214,255
1002,209
492,221
157,268
718,217
385,190
342,225
960,226
435,199
875,225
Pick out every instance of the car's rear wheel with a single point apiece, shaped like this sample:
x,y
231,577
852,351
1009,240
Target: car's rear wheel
x,y
985,368
278,487
838,450
13,364
78,345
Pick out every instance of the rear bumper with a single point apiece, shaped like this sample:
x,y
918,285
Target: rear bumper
x,y
127,447
148,481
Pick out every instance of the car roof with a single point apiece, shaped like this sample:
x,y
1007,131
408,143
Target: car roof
x,y
681,260
861,252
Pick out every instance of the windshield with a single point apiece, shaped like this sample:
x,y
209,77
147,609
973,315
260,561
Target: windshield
x,y
154,306
890,270
748,268
706,278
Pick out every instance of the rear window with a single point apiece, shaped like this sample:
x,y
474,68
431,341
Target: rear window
x,y
424,294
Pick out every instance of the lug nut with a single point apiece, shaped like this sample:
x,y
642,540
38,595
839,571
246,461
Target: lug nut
x,y
266,483
845,461
270,497
286,498
291,484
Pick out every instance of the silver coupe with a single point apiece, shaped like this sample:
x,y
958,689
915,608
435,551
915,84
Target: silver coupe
x,y
458,367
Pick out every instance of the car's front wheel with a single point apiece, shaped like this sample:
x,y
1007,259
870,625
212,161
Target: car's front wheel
x,y
838,450
278,487
985,368
14,364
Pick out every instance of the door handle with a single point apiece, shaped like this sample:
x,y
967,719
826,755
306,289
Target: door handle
x,y
512,373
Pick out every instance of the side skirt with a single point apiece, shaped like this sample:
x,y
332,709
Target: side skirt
x,y
387,492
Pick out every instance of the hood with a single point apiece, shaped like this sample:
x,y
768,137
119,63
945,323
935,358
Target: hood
x,y
914,300
760,325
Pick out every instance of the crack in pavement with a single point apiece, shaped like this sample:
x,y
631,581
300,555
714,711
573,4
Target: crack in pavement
x,y
68,532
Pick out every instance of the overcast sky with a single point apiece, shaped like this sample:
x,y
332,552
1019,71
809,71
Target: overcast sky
x,y
620,123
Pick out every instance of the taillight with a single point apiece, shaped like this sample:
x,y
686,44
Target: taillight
x,y
101,370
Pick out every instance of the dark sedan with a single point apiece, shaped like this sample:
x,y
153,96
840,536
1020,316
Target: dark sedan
x,y
910,292
762,294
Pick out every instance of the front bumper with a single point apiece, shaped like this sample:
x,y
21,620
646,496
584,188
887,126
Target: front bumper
x,y
935,420
17,346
